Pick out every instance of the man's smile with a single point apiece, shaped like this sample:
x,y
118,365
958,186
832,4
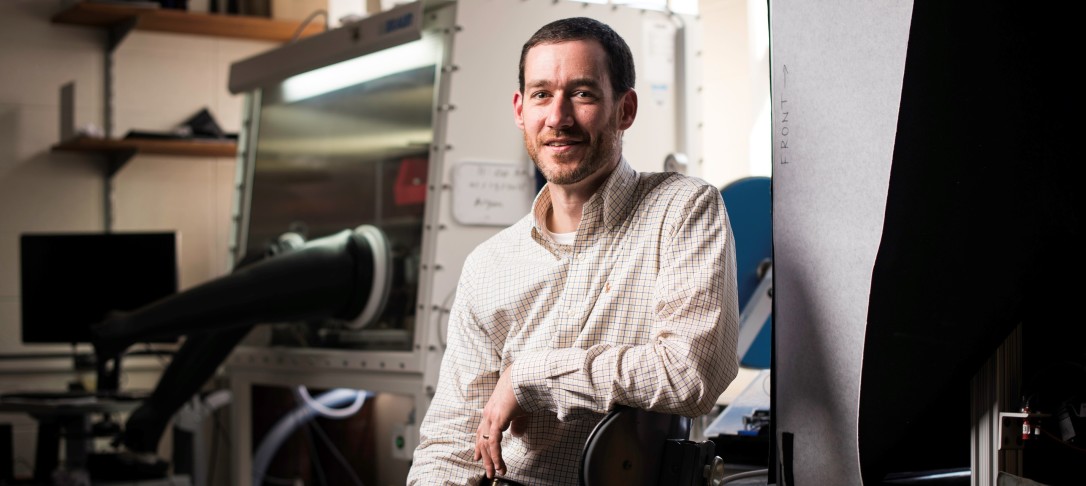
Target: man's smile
x,y
563,145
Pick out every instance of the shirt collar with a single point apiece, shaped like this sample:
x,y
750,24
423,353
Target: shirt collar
x,y
616,194
610,203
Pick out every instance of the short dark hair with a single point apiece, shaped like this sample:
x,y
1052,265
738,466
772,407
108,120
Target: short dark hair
x,y
620,65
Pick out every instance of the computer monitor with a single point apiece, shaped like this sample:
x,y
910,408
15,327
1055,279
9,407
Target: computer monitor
x,y
71,281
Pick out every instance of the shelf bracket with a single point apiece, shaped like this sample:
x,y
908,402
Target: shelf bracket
x,y
120,30
114,162
115,34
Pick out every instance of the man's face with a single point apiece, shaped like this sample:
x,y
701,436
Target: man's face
x,y
571,121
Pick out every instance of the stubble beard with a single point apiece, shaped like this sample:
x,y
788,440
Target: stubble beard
x,y
601,151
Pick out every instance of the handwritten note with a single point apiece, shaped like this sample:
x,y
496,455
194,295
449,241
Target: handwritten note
x,y
487,193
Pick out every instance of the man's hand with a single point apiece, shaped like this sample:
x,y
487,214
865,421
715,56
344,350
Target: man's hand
x,y
500,412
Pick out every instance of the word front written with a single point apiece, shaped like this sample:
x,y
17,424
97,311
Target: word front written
x,y
783,151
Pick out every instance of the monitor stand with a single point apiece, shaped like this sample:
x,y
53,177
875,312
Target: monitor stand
x,y
109,373
66,418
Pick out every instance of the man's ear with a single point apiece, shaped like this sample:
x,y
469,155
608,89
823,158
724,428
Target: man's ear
x,y
518,106
627,106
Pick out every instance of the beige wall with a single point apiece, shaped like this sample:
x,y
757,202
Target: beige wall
x,y
160,80
736,116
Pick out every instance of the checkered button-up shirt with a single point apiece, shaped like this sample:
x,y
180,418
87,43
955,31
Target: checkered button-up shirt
x,y
640,310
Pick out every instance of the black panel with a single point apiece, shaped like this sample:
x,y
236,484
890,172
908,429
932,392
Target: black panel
x,y
983,224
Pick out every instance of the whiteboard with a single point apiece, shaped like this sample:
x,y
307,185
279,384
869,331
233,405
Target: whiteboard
x,y
487,193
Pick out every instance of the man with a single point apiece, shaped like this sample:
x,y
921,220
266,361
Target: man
x,y
618,289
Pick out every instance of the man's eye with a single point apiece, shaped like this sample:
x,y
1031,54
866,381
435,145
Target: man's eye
x,y
583,95
539,95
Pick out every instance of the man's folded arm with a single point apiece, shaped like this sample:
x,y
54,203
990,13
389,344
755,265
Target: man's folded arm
x,y
691,356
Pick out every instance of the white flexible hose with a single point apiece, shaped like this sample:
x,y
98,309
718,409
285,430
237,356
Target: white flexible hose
x,y
328,412
298,417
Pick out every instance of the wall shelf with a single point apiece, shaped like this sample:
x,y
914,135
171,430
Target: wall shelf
x,y
118,20
113,16
131,146
119,151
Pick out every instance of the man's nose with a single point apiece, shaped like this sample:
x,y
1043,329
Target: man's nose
x,y
560,113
